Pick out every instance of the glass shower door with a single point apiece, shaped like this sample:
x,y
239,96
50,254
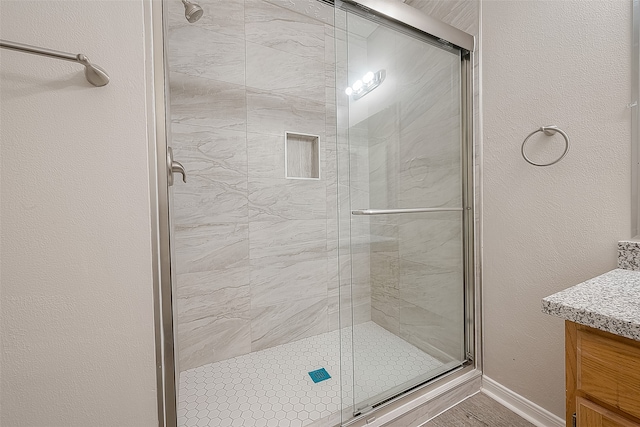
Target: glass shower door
x,y
400,131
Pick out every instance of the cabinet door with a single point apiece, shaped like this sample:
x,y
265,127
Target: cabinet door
x,y
609,370
591,415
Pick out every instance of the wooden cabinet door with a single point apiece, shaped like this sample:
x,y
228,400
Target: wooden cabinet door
x,y
609,370
591,415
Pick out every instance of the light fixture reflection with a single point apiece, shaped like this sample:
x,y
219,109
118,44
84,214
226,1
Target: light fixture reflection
x,y
369,82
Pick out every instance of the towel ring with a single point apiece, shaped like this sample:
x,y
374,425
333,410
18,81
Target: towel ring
x,y
549,131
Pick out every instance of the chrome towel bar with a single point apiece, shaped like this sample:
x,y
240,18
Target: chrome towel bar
x,y
93,73
402,211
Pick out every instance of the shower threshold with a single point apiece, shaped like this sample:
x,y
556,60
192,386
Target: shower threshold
x,y
272,387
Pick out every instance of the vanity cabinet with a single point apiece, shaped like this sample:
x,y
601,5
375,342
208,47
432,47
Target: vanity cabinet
x,y
602,378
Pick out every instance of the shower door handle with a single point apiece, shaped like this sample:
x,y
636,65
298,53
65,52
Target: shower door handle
x,y
173,167
177,167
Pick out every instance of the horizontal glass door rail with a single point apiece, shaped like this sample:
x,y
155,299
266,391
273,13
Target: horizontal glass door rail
x,y
402,211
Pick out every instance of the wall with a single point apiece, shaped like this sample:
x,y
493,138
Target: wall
x,y
550,62
255,252
77,292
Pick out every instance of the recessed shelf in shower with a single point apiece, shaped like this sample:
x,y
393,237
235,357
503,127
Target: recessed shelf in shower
x,y
301,156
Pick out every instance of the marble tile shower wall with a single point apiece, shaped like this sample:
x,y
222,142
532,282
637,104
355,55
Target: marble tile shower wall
x,y
256,254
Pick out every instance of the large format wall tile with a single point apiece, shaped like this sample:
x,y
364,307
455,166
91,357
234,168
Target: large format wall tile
x,y
216,161
289,321
383,172
265,155
213,338
331,179
330,63
202,53
432,333
211,247
434,139
204,200
349,307
282,29
210,151
210,103
288,240
311,8
357,295
278,199
283,282
385,283
439,290
434,239
274,113
288,261
431,187
285,73
206,292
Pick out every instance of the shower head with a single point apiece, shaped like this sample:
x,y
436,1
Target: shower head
x,y
192,11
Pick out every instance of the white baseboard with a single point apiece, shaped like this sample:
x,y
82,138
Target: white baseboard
x,y
521,406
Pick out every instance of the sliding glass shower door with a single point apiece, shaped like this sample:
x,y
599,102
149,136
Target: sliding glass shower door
x,y
322,237
402,207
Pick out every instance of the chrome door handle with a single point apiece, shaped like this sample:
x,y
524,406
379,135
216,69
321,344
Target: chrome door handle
x,y
177,167
173,167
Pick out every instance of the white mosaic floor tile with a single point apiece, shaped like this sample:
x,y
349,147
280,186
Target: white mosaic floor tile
x,y
272,387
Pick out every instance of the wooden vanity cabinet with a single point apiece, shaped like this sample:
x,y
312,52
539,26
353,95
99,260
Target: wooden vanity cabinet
x,y
602,378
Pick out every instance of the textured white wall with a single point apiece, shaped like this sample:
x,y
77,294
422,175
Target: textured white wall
x,y
77,296
550,62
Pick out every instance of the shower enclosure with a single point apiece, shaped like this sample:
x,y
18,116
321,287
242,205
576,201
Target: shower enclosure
x,y
322,245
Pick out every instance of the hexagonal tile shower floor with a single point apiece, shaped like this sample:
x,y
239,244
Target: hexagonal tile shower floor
x,y
272,387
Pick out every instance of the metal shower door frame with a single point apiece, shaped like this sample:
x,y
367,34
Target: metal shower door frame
x,y
160,198
157,103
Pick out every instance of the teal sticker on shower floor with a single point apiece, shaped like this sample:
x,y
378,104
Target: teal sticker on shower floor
x,y
319,375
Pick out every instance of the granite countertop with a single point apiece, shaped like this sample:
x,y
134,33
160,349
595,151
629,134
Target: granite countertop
x,y
610,302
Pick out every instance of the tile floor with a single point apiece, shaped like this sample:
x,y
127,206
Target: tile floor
x,y
272,387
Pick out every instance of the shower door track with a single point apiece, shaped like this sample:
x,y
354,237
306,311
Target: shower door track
x,y
406,15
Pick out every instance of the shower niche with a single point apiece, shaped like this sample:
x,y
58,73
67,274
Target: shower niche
x,y
302,156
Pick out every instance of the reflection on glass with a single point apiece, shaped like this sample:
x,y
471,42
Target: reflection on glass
x,y
402,275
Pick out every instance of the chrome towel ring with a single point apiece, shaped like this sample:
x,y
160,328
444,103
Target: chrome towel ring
x,y
549,131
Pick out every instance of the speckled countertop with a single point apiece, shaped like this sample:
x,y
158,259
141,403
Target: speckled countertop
x,y
610,302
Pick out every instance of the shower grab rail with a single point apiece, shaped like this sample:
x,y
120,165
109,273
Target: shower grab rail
x,y
401,211
93,73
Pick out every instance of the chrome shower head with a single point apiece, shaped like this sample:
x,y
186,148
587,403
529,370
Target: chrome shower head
x,y
192,11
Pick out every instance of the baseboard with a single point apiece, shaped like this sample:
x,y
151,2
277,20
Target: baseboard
x,y
521,406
